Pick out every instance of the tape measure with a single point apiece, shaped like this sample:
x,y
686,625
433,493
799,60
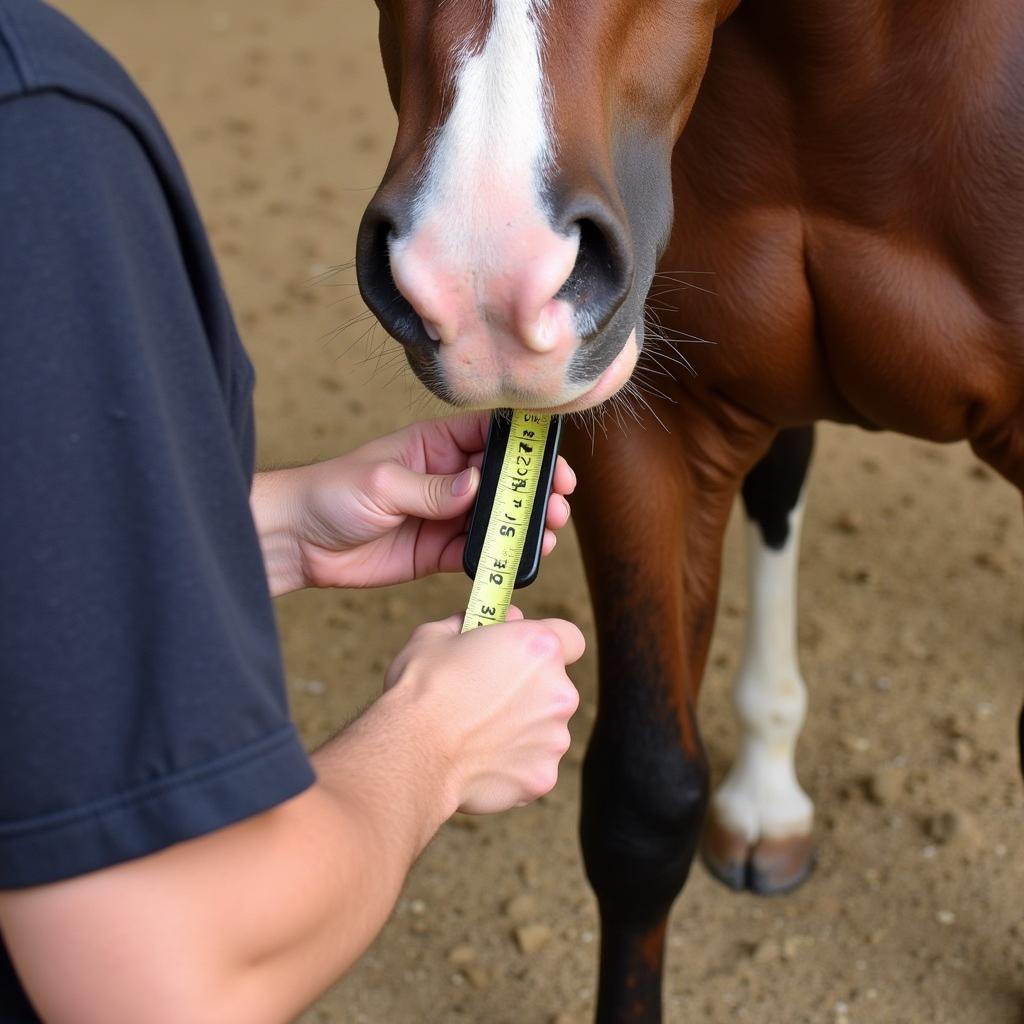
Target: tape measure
x,y
506,531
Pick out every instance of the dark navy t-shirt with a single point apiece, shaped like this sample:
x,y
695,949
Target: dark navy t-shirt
x,y
142,700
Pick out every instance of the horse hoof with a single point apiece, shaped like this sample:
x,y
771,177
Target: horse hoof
x,y
725,855
779,866
769,867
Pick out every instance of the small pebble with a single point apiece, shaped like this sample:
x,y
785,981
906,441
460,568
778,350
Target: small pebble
x,y
885,785
850,522
955,726
462,956
477,976
961,751
945,917
766,952
521,908
791,946
953,827
532,937
529,872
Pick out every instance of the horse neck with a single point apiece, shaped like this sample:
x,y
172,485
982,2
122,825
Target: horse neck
x,y
828,41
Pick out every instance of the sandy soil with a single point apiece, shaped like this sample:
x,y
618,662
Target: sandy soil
x,y
911,620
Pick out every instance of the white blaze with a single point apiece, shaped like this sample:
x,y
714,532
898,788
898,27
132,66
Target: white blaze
x,y
486,163
761,797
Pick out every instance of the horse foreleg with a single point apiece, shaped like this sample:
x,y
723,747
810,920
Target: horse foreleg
x,y
650,523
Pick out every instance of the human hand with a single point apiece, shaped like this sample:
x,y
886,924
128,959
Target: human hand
x,y
498,701
395,509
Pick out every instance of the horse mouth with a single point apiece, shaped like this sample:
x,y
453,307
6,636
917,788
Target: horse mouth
x,y
480,393
612,380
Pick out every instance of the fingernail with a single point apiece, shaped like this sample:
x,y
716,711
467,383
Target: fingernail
x,y
464,482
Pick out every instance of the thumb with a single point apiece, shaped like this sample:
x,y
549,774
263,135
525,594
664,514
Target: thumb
x,y
451,626
434,496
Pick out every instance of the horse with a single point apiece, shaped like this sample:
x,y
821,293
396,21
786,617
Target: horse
x,y
832,193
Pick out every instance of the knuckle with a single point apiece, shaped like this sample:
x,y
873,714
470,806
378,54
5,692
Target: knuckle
x,y
379,479
563,742
544,780
570,698
422,632
542,642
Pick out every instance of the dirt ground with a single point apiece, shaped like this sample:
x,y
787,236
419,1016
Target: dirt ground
x,y
912,630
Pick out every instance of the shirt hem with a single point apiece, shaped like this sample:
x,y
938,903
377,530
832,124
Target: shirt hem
x,y
150,818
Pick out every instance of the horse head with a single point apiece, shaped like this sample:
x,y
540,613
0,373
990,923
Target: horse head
x,y
514,237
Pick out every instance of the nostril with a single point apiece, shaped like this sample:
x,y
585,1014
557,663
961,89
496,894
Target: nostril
x,y
601,276
594,262
377,283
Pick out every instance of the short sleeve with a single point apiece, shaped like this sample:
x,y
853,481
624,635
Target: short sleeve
x,y
142,700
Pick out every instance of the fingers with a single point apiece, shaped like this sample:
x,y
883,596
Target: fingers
x,y
558,512
427,632
548,543
565,478
468,432
451,626
450,559
573,644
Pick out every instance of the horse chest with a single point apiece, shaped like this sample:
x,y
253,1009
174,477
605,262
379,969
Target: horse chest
x,y
904,336
817,316
862,229
822,311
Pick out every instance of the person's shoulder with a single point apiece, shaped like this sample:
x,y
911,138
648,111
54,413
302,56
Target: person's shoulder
x,y
41,49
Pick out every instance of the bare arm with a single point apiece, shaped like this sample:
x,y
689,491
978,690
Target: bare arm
x,y
249,924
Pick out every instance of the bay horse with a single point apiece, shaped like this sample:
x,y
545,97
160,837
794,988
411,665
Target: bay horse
x,y
852,174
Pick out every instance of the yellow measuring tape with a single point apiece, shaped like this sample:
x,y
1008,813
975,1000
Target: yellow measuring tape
x,y
509,520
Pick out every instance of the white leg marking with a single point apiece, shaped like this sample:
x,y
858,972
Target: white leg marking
x,y
761,797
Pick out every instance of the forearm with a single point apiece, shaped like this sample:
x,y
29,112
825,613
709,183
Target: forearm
x,y
250,923
275,500
337,883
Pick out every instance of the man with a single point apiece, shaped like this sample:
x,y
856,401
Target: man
x,y
167,850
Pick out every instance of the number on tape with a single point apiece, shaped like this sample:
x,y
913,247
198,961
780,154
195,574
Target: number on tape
x,y
505,538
